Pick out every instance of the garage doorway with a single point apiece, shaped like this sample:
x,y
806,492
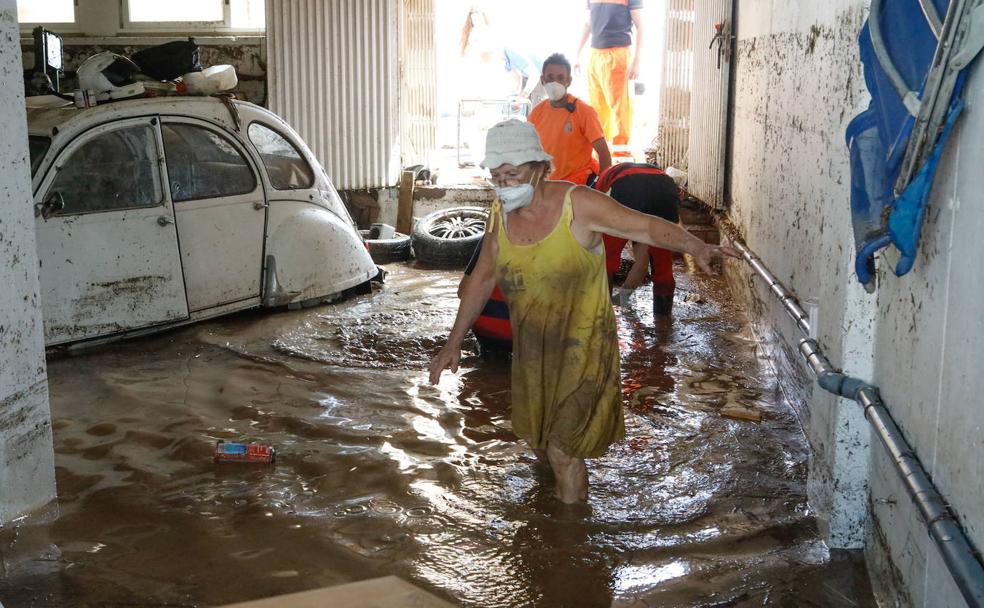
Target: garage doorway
x,y
476,41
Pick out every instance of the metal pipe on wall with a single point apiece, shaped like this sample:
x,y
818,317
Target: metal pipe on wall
x,y
954,546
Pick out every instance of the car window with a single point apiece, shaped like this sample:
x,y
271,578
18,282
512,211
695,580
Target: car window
x,y
284,164
114,170
38,146
204,164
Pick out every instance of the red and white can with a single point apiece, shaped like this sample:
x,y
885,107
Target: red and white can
x,y
230,451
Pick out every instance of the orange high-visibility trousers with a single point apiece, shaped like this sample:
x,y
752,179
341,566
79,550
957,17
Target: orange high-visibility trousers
x,y
608,90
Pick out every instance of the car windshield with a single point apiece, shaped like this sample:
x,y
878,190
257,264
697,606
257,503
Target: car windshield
x,y
38,145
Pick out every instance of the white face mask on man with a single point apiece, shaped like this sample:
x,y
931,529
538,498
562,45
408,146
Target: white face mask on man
x,y
516,197
555,91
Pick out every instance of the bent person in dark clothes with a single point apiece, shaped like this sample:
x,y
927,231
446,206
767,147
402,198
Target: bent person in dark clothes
x,y
492,328
645,188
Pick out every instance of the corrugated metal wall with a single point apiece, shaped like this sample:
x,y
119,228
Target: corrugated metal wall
x,y
709,103
673,137
333,75
418,81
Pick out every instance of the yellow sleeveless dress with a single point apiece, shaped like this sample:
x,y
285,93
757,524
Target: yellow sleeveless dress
x,y
566,385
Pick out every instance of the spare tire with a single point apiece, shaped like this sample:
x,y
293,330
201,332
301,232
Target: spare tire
x,y
385,251
448,237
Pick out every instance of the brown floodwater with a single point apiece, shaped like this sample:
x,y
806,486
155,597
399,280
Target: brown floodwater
x,y
380,473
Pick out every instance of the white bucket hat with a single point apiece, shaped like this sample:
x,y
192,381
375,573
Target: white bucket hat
x,y
514,142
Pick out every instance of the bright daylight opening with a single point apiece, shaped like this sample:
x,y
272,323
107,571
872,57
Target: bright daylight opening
x,y
46,11
243,14
477,42
247,14
175,10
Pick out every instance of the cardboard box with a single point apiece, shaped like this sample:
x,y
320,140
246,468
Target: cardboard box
x,y
385,592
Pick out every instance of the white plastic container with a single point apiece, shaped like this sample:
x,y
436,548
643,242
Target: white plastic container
x,y
194,81
220,78
83,99
211,80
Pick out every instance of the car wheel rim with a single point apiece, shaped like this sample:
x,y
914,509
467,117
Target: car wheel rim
x,y
458,227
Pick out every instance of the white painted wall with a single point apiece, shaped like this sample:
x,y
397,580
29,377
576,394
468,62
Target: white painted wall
x,y
930,348
27,472
798,83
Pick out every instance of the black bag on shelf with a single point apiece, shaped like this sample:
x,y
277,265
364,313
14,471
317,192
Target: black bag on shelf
x,y
169,60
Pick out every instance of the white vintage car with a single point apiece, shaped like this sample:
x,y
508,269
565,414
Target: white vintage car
x,y
157,212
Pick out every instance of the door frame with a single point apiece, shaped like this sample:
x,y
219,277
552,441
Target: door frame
x,y
712,105
729,131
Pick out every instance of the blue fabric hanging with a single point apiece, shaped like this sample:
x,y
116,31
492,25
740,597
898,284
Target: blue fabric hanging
x,y
877,139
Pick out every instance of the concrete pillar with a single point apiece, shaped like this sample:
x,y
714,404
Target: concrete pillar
x,y
27,470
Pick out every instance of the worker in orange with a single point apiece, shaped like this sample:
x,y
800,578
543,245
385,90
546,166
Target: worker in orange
x,y
609,25
568,127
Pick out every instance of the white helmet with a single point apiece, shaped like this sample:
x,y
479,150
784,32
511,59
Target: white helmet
x,y
110,76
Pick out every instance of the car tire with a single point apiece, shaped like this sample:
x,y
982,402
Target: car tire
x,y
448,237
386,251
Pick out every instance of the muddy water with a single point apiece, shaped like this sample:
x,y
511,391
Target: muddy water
x,y
379,473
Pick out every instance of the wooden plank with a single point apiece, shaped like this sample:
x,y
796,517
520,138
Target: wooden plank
x,y
404,213
385,592
733,410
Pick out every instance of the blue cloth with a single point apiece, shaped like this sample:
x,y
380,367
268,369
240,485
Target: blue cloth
x,y
905,220
527,64
877,139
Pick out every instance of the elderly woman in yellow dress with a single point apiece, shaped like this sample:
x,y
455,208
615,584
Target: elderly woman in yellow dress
x,y
543,247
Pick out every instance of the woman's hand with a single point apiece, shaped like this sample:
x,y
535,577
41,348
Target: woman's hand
x,y
446,358
708,254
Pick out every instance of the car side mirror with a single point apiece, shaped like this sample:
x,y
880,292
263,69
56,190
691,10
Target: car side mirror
x,y
55,203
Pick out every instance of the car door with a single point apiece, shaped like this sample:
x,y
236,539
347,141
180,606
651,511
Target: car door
x,y
221,213
106,236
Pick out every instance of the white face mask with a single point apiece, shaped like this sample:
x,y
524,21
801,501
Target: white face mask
x,y
515,197
555,91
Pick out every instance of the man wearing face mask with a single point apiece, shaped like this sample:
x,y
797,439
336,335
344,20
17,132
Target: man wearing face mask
x,y
543,248
568,127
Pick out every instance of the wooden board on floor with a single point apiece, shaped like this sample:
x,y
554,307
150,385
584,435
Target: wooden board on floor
x,y
385,592
743,413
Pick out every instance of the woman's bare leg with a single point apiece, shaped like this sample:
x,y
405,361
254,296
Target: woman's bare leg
x,y
571,474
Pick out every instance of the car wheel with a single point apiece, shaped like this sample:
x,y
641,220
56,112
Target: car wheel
x,y
395,248
449,237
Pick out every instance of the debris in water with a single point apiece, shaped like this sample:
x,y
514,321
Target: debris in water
x,y
229,451
641,400
733,410
638,444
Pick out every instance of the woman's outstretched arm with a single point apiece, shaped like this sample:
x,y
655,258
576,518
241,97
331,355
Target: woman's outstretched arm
x,y
474,293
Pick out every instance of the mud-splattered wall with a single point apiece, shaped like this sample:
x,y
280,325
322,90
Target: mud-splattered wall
x,y
27,470
246,53
798,83
928,363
